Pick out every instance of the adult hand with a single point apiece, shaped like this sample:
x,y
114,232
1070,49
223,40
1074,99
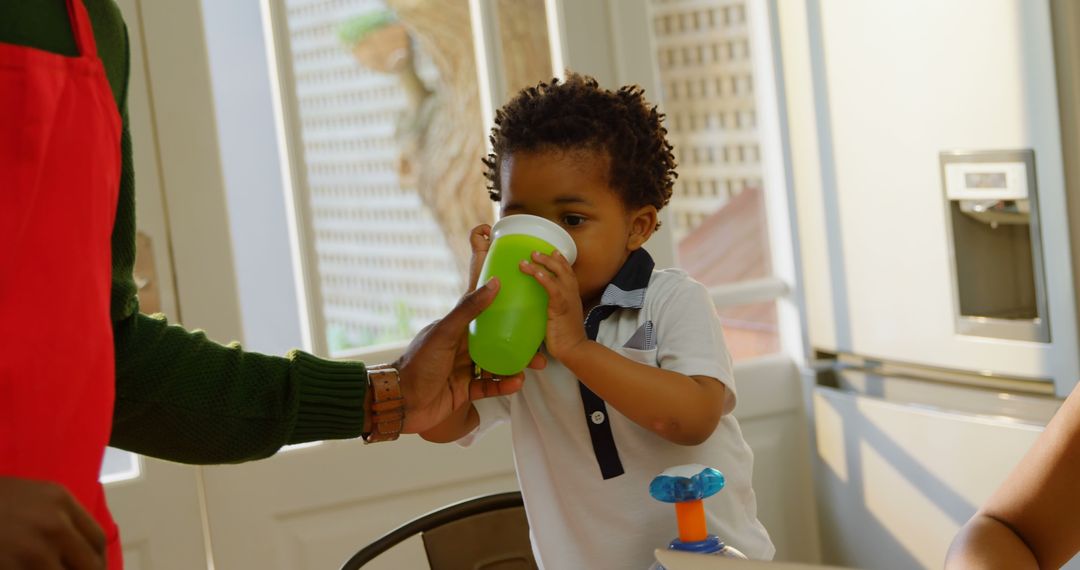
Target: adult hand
x,y
42,526
437,375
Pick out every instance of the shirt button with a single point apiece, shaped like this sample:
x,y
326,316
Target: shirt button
x,y
597,418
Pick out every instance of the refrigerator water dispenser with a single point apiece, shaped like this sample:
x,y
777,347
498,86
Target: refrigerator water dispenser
x,y
997,263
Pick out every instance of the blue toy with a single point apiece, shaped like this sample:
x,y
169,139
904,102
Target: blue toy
x,y
687,486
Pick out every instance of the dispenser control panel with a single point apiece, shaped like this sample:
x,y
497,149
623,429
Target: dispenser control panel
x,y
986,180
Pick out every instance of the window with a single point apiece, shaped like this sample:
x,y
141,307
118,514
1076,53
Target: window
x,y
386,100
718,206
119,465
389,133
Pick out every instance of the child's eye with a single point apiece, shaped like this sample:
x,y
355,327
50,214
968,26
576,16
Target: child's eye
x,y
573,220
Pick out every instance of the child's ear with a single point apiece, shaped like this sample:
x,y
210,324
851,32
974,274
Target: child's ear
x,y
642,225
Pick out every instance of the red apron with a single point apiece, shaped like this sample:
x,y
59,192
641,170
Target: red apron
x,y
59,178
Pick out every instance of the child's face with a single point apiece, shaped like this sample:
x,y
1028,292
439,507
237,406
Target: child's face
x,y
571,188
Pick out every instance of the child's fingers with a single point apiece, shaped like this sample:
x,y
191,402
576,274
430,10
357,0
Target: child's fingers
x,y
556,289
542,276
561,259
536,270
538,362
480,242
480,238
557,266
554,274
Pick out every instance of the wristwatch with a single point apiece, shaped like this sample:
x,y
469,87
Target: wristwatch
x,y
387,405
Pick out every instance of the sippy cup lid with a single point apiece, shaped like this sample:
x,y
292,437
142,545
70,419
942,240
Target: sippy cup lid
x,y
535,226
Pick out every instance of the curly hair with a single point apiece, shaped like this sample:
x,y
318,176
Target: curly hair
x,y
576,114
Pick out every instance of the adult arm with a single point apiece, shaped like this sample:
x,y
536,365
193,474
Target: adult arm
x,y
1031,521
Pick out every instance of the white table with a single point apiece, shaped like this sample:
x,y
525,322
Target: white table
x,y
675,560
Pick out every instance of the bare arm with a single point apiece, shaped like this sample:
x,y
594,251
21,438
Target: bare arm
x,y
985,542
679,408
1033,519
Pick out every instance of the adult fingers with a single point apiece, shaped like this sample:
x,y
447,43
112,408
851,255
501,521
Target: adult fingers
x,y
488,388
77,548
86,526
538,362
451,327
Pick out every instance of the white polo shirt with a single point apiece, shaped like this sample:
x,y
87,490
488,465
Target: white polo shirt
x,y
577,518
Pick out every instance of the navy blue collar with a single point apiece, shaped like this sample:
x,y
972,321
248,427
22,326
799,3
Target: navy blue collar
x,y
627,288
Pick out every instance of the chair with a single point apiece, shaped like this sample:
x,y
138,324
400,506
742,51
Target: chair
x,y
483,533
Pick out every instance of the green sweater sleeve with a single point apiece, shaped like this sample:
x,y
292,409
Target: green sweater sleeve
x,y
179,395
183,397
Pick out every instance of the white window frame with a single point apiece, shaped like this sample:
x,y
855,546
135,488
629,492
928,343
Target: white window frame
x,y
295,179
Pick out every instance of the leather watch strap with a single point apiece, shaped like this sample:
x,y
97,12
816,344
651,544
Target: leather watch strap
x,y
387,405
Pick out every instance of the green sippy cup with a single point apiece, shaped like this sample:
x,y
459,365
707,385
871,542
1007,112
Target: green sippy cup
x,y
504,338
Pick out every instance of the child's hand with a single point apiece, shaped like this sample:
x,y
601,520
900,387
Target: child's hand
x,y
565,326
480,241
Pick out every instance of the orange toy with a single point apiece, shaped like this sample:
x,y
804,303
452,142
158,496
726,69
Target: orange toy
x,y
687,486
